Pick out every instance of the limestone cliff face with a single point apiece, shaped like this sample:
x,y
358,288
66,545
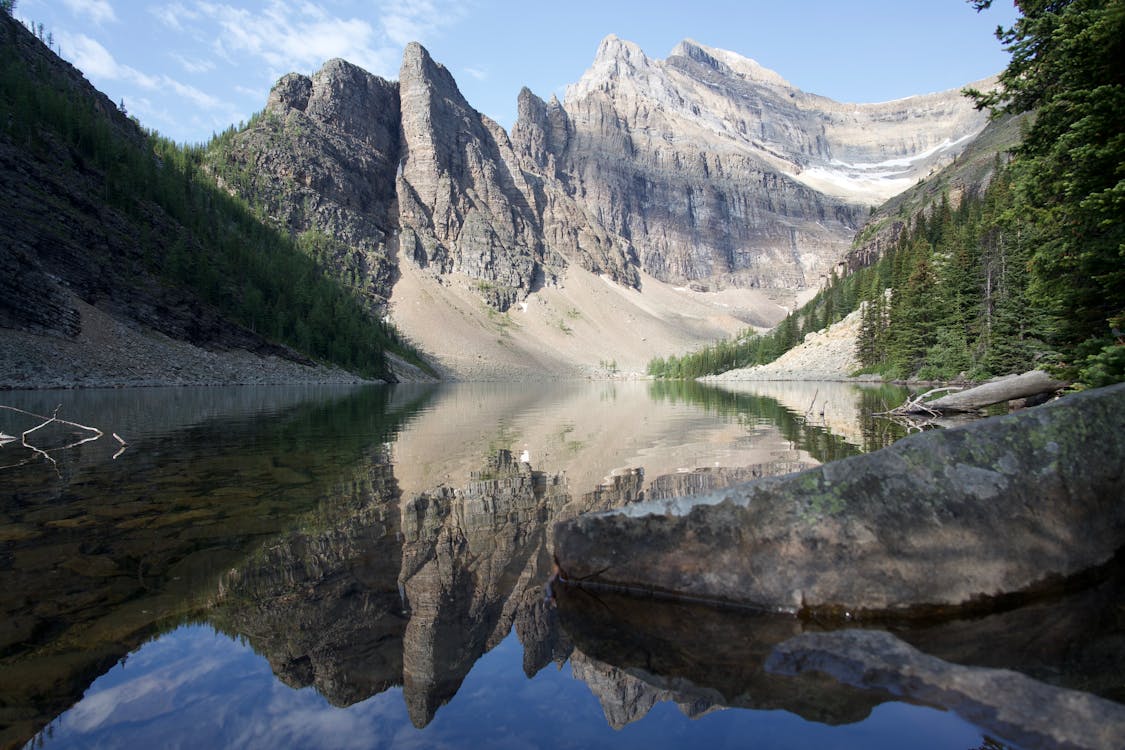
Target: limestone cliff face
x,y
464,203
541,137
717,169
704,167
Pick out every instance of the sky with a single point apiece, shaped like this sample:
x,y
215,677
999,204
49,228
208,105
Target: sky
x,y
189,69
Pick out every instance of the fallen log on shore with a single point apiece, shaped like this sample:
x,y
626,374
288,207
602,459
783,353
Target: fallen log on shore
x,y
1028,385
942,519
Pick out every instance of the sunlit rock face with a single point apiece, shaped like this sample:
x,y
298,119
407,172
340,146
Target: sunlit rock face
x,y
463,201
703,167
717,168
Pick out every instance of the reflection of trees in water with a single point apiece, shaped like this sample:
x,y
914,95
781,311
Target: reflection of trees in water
x,y
753,410
97,562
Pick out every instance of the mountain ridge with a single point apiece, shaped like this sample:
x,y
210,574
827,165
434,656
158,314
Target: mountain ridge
x,y
600,231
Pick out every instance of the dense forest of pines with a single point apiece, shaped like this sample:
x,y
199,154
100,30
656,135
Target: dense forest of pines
x,y
1028,273
222,249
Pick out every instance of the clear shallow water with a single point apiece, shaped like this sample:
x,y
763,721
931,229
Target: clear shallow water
x,y
364,567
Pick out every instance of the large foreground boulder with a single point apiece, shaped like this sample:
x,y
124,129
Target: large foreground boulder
x,y
941,519
1012,705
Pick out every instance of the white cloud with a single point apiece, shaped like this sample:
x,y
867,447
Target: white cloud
x,y
251,92
94,60
192,94
98,11
89,56
478,73
406,21
175,15
301,36
194,64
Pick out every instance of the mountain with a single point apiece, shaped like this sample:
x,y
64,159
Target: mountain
x,y
662,204
718,169
122,263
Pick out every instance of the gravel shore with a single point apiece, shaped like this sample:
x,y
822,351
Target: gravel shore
x,y
823,355
111,354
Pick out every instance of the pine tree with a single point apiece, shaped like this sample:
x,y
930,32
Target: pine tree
x,y
1069,172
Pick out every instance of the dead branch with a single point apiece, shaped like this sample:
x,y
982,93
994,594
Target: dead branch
x,y
1032,383
812,404
917,405
45,421
120,450
53,418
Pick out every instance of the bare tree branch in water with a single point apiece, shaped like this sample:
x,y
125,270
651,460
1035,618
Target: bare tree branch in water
x,y
46,452
916,405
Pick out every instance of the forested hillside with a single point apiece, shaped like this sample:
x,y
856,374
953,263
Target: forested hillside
x,y
1027,272
145,231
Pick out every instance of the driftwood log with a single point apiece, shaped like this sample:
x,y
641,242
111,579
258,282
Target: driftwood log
x,y
1027,385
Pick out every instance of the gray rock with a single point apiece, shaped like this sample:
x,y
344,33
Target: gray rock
x,y
717,169
461,192
703,167
943,519
1010,704
323,157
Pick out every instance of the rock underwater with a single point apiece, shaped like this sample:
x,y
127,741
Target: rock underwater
x,y
1013,705
943,519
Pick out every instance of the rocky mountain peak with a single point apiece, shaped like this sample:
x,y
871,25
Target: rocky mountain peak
x,y
614,48
695,51
349,99
464,203
705,170
292,91
419,67
616,60
728,63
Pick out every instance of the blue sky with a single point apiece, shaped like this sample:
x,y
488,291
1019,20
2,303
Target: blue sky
x,y
189,68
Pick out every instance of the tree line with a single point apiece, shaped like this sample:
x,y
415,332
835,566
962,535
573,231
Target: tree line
x,y
751,347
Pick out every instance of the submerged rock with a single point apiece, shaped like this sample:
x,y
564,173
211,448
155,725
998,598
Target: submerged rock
x,y
939,520
1013,705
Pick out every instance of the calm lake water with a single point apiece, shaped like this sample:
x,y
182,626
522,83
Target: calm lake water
x,y
365,567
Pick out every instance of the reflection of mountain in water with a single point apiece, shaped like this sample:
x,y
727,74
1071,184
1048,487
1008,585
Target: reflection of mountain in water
x,y
471,558
363,602
103,556
474,560
322,604
351,580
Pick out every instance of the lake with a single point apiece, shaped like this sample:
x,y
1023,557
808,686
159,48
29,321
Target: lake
x,y
365,567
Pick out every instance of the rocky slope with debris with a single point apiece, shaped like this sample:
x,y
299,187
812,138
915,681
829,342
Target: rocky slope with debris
x,y
827,354
707,184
